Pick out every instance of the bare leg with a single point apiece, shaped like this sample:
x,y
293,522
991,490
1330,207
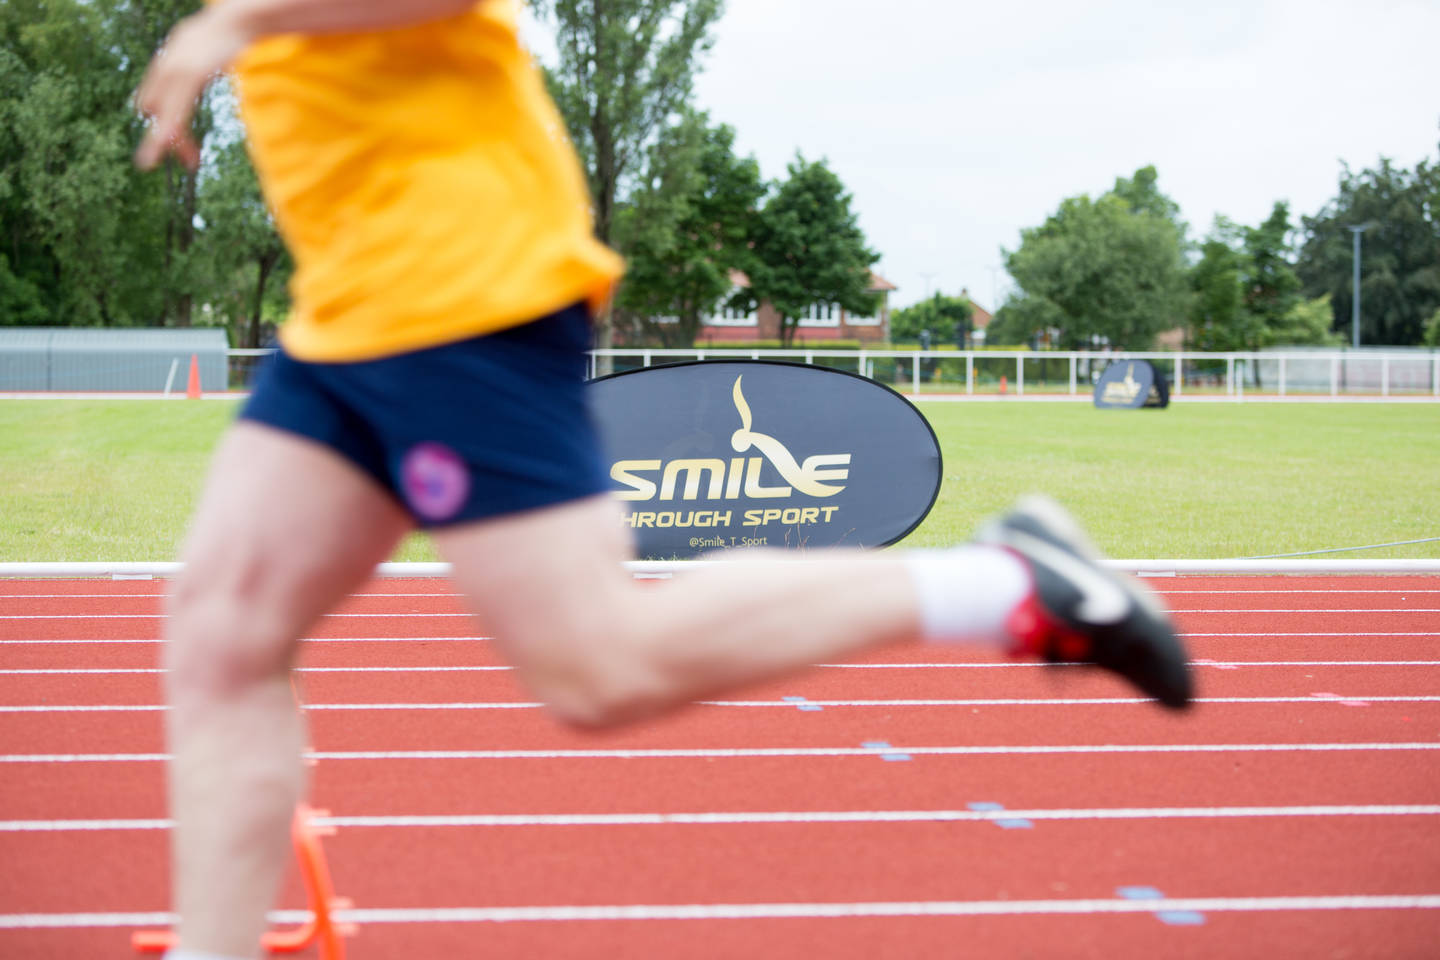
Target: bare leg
x,y
284,530
601,648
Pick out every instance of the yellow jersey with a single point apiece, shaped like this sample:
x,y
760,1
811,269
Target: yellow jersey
x,y
423,181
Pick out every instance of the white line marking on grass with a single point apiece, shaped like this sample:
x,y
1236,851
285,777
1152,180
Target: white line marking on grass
x,y
761,911
758,752
1329,699
722,818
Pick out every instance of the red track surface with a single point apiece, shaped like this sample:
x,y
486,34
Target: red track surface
x,y
1293,672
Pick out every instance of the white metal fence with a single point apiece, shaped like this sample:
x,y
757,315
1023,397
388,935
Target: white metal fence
x,y
1371,373
1298,373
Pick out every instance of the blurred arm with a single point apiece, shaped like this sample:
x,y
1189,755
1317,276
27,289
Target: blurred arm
x,y
263,18
202,45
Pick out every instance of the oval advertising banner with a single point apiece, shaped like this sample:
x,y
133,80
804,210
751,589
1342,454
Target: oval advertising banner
x,y
718,454
1131,384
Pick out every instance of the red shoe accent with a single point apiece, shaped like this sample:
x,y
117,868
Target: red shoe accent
x,y
1037,633
1026,629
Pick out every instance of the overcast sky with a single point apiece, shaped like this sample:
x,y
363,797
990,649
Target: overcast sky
x,y
955,125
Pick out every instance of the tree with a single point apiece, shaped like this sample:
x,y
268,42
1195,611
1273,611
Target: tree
x,y
1307,323
138,30
1219,318
1142,193
63,156
625,71
808,249
1400,259
248,260
86,237
1246,292
1272,289
1110,269
1020,318
945,319
1432,330
687,226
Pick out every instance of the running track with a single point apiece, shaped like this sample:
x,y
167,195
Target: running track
x,y
923,803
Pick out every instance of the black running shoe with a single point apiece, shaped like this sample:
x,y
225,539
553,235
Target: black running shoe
x,y
1082,612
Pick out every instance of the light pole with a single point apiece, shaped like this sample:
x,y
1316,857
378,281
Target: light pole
x,y
927,277
1355,301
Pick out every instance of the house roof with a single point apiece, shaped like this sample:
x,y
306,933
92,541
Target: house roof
x,y
877,283
980,318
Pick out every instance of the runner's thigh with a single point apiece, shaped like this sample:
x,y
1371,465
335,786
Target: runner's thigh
x,y
286,527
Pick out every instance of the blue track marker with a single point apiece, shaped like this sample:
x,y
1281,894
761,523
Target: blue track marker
x,y
893,755
1015,823
803,704
1179,918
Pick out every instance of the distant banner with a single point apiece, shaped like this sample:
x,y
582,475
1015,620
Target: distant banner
x,y
1131,384
722,454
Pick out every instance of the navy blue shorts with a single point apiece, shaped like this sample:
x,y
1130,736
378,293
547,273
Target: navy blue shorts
x,y
459,432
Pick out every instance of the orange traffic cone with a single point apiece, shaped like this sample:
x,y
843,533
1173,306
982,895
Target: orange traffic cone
x,y
1004,382
192,388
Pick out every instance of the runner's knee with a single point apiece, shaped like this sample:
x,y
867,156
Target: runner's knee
x,y
588,666
227,630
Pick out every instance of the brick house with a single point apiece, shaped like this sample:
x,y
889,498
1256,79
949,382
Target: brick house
x,y
826,321
980,320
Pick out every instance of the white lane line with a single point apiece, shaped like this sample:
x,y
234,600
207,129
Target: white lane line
x,y
422,615
758,911
756,752
1220,664
1355,634
709,818
1207,663
1155,587
162,596
157,670
302,640
1327,700
1231,613
83,596
1346,590
383,596
161,616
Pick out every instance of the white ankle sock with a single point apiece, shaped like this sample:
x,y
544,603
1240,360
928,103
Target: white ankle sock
x,y
967,592
178,954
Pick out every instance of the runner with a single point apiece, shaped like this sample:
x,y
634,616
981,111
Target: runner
x,y
432,375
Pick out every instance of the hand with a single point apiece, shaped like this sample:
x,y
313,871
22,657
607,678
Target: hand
x,y
193,54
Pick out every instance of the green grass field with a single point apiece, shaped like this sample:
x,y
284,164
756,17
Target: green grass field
x,y
117,479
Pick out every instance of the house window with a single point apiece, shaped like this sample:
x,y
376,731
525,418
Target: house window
x,y
821,315
854,321
727,316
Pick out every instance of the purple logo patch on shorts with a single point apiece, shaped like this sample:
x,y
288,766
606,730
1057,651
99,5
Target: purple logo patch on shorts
x,y
435,479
